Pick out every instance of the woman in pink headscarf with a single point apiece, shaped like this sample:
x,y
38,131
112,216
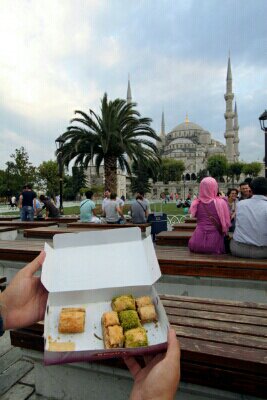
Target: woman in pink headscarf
x,y
213,219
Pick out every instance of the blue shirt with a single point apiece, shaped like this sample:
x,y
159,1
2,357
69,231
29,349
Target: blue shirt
x,y
251,221
86,208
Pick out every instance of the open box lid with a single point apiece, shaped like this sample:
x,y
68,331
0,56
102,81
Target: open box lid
x,y
99,259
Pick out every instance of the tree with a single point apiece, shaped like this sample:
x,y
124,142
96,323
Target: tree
x,y
234,170
217,166
142,171
110,137
48,177
78,179
202,173
170,170
252,169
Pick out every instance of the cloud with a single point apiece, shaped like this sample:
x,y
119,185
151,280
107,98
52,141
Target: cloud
x,y
251,144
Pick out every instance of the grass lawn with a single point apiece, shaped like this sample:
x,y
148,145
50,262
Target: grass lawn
x,y
169,209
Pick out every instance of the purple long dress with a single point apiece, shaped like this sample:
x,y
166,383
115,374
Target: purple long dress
x,y
206,238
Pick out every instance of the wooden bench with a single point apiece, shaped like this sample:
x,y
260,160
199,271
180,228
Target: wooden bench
x,y
190,220
223,343
173,238
26,224
8,232
184,227
61,220
8,217
49,232
180,261
20,250
89,225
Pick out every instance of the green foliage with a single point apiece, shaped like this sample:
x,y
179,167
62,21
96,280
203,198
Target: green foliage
x,y
117,133
18,172
143,170
217,166
252,169
170,170
78,178
48,178
202,174
234,170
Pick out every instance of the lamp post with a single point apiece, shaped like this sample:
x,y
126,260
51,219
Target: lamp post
x,y
263,123
59,144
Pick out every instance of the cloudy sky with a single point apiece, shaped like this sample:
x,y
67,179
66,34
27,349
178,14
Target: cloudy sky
x,y
60,56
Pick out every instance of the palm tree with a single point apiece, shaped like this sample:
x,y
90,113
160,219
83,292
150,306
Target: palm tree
x,y
115,137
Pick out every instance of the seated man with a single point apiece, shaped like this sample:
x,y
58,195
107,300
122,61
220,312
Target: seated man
x,y
87,209
245,191
139,210
112,211
50,208
250,236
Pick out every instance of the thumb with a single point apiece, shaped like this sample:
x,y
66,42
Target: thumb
x,y
33,266
173,351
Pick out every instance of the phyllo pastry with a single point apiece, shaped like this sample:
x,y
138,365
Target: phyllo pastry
x,y
143,301
147,314
71,320
122,303
136,338
110,318
113,337
129,319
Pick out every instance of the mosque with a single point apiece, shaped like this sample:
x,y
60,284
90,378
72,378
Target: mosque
x,y
193,145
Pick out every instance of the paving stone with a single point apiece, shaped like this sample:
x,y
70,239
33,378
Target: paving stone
x,y
18,392
5,343
29,378
35,396
10,357
14,373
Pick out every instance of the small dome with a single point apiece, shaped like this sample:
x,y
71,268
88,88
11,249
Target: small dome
x,y
216,150
187,126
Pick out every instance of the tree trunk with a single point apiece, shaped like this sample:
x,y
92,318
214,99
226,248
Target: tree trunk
x,y
110,169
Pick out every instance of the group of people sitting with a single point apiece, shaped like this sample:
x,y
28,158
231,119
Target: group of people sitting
x,y
112,209
245,215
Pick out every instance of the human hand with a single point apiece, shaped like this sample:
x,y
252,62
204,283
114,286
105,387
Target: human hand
x,y
160,377
24,300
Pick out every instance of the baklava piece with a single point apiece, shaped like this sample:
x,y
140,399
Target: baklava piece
x,y
143,301
136,338
71,320
122,303
129,319
61,346
147,314
110,318
113,337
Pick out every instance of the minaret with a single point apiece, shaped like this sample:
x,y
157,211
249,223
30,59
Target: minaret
x,y
236,137
162,132
229,115
129,93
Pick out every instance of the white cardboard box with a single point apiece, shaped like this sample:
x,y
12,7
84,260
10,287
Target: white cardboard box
x,y
88,269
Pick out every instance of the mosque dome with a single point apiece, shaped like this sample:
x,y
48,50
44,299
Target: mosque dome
x,y
187,126
181,140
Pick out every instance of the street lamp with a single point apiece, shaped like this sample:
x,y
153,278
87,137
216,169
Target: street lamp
x,y
263,123
59,144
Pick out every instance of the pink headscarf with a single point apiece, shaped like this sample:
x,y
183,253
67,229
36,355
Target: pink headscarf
x,y
208,190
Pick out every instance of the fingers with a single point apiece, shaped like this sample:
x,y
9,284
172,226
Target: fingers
x,y
173,351
33,266
132,365
147,359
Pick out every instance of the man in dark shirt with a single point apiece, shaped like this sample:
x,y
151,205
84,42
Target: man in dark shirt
x,y
51,210
27,203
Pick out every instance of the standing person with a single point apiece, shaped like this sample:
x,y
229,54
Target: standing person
x,y
27,203
250,236
213,219
106,199
87,209
139,210
232,202
112,211
51,210
244,191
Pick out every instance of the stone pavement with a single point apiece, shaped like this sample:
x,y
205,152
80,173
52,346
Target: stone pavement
x,y
16,374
